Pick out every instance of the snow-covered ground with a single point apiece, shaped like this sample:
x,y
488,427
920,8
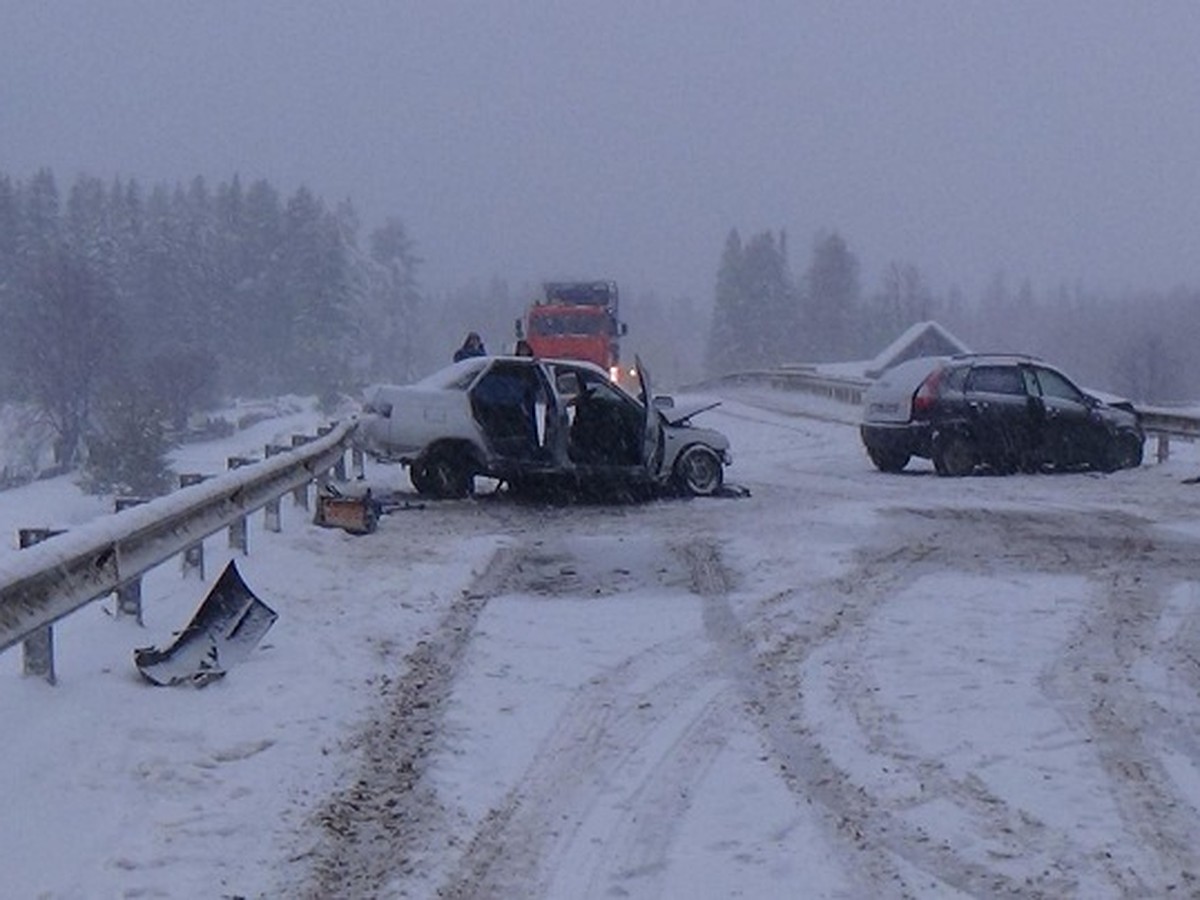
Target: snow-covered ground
x,y
845,685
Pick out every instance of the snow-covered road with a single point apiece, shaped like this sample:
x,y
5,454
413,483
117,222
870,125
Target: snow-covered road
x,y
848,684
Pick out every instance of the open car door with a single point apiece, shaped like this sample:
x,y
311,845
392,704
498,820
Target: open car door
x,y
652,448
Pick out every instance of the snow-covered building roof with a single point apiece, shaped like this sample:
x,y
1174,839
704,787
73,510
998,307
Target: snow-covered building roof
x,y
919,339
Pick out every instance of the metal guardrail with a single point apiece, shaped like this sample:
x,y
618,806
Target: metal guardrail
x,y
52,579
798,378
1174,423
1164,424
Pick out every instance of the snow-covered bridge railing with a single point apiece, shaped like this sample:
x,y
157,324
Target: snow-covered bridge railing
x,y
1165,423
51,579
844,388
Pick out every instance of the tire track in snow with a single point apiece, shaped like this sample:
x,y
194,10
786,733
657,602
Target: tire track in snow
x,y
1096,674
1097,687
914,781
869,835
598,807
636,850
555,811
376,830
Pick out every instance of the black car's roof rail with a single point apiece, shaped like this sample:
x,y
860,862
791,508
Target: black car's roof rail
x,y
1002,355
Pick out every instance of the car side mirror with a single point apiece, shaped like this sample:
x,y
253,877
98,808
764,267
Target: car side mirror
x,y
663,401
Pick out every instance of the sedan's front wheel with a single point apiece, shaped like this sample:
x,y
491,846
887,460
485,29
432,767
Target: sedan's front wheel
x,y
699,471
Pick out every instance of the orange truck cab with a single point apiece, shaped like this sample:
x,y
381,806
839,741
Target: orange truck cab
x,y
576,320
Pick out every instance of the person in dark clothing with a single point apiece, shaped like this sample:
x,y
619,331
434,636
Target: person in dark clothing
x,y
472,345
523,348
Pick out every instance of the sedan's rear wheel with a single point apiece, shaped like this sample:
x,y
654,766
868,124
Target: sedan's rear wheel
x,y
699,471
954,456
443,472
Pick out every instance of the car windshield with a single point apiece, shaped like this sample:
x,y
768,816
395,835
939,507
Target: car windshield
x,y
567,323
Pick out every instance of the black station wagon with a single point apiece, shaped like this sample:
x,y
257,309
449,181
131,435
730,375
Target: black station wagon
x,y
1003,413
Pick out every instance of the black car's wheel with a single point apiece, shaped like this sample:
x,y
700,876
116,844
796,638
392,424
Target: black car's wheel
x,y
954,456
443,472
1125,452
698,471
888,460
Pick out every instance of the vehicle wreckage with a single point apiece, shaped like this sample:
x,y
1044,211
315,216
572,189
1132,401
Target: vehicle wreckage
x,y
540,423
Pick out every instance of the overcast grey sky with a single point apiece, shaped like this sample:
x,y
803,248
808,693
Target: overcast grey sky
x,y
1057,139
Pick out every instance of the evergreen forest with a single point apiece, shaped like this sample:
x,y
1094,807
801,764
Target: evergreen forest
x,y
125,308
1129,342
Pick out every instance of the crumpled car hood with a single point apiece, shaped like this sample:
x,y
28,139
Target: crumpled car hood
x,y
682,411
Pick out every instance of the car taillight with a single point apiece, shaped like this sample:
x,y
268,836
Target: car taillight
x,y
927,394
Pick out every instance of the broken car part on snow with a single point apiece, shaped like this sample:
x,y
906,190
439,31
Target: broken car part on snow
x,y
225,628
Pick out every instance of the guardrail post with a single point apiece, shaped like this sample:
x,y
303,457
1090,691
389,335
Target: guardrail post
x,y
129,594
271,518
322,477
38,649
1164,447
239,533
193,556
300,494
339,467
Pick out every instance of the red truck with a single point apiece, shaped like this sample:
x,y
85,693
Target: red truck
x,y
576,320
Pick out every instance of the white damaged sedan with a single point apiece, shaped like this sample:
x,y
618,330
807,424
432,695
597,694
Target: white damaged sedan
x,y
535,423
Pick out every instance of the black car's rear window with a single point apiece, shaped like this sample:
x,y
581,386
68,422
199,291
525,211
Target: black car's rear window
x,y
954,380
996,380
